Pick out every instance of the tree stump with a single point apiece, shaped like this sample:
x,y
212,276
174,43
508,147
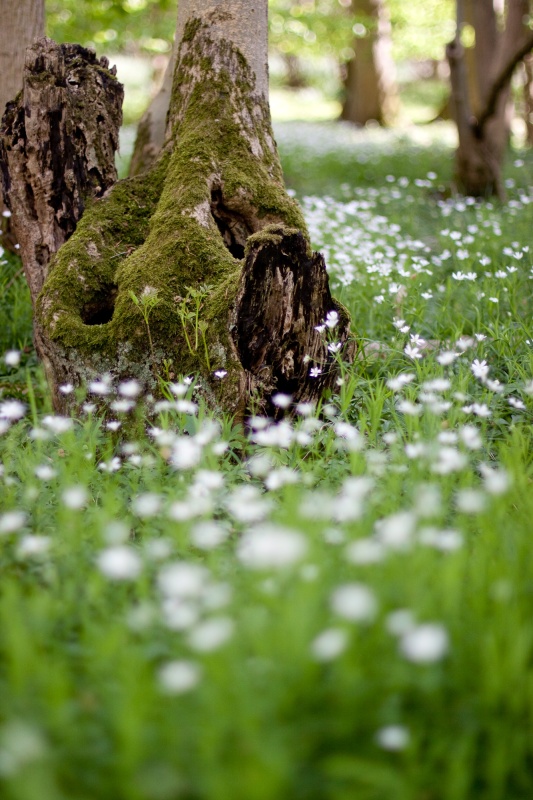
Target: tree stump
x,y
203,261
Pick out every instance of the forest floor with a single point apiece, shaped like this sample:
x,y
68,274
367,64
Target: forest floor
x,y
338,605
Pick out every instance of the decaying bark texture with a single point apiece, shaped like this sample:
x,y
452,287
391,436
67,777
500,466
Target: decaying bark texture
x,y
480,95
205,229
21,22
371,90
57,148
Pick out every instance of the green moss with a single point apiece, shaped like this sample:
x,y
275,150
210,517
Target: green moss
x,y
157,230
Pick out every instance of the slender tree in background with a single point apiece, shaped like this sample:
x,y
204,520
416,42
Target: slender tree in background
x,y
200,264
528,97
21,21
481,115
371,91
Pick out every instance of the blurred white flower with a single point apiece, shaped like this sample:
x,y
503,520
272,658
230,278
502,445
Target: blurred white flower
x,y
448,460
281,477
365,551
146,505
332,319
57,424
177,677
271,547
210,634
101,387
399,622
45,472
12,521
186,453
130,388
122,406
12,358
396,531
471,437
110,466
329,644
447,357
31,545
497,481
247,504
119,563
12,410
425,644
479,368
393,737
445,540
354,602
470,501
282,400
182,579
209,534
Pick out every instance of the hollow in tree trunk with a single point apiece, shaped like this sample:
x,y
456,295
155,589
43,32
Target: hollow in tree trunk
x,y
482,116
203,261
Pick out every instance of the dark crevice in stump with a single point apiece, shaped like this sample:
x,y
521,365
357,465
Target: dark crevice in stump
x,y
233,226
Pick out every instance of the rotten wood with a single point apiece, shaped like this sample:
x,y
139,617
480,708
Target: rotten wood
x,y
58,140
281,306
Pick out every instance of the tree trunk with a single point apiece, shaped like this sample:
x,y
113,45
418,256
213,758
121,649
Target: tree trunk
x,y
528,98
152,128
22,21
482,117
371,92
202,261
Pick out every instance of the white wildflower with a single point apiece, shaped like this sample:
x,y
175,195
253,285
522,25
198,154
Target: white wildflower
x,y
31,545
119,563
425,643
12,358
146,505
12,521
177,677
354,602
186,453
209,534
271,547
393,737
329,644
210,634
12,410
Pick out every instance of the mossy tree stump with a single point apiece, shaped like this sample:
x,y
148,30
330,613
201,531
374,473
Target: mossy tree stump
x,y
208,236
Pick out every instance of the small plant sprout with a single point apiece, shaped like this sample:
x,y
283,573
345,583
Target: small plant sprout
x,y
146,303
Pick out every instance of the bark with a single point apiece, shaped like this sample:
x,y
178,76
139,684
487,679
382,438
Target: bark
x,y
371,92
22,21
482,117
528,98
152,128
208,227
54,155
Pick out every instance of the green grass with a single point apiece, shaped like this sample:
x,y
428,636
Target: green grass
x,y
180,626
